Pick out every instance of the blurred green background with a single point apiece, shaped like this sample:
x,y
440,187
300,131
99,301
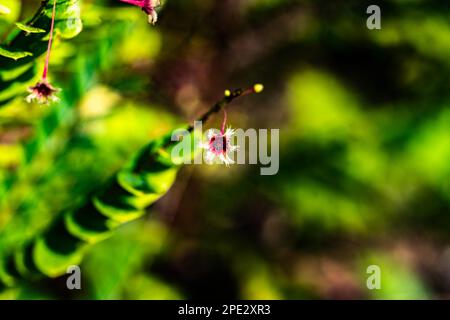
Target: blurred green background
x,y
364,118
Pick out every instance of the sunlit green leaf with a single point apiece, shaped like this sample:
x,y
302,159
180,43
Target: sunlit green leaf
x,y
29,29
13,54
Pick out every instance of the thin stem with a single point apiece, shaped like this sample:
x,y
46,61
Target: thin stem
x,y
227,99
222,131
50,40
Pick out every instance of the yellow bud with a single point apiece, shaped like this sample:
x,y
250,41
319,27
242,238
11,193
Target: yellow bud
x,y
227,93
258,88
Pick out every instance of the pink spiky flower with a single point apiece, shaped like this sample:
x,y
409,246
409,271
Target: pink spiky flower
x,y
148,6
43,92
219,144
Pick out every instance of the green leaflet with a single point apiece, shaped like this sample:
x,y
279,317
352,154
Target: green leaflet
x,y
13,53
29,44
28,29
140,183
53,262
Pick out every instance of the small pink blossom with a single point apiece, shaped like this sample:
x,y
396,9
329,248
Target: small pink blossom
x,y
148,6
42,92
219,146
